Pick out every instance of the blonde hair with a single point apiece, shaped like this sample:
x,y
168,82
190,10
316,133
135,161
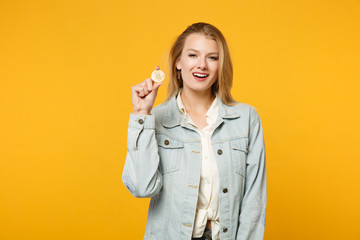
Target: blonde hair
x,y
222,86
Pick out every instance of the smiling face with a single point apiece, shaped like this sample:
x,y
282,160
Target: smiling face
x,y
199,63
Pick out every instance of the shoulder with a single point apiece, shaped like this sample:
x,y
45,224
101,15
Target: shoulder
x,y
160,110
246,111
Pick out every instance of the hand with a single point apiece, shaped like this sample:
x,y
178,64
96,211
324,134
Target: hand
x,y
144,95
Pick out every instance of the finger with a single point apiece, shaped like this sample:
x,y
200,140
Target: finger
x,y
139,91
135,90
145,87
157,68
149,84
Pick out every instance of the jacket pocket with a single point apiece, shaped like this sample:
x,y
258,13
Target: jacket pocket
x,y
239,150
170,151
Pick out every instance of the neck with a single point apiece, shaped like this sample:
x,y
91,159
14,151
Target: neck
x,y
197,102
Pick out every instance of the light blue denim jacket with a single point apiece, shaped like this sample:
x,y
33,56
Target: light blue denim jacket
x,y
164,162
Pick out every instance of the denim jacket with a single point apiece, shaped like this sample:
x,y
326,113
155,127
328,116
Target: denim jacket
x,y
163,162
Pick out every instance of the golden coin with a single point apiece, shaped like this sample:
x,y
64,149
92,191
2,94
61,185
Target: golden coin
x,y
158,76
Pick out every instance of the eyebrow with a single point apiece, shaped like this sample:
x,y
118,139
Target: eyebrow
x,y
198,51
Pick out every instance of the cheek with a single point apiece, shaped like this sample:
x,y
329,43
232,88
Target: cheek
x,y
215,67
187,67
216,64
189,63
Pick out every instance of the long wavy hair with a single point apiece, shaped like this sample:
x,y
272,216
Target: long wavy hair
x,y
222,86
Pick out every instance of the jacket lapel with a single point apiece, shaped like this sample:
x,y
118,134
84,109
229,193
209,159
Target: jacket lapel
x,y
173,118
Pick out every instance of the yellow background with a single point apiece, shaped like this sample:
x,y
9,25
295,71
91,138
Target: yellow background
x,y
66,69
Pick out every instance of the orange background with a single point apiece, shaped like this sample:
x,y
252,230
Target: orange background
x,y
66,69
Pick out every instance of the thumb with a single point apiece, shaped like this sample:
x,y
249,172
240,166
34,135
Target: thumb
x,y
156,87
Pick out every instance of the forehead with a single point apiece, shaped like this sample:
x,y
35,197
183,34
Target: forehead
x,y
201,43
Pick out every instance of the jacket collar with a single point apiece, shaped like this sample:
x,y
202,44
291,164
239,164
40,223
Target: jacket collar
x,y
173,117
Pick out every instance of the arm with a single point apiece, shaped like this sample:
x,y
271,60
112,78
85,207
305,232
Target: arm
x,y
141,175
253,206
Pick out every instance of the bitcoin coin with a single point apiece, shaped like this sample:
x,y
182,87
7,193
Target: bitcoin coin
x,y
158,76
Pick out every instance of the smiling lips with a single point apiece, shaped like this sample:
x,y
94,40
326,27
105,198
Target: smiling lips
x,y
200,76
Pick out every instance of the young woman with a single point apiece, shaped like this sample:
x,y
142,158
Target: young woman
x,y
200,155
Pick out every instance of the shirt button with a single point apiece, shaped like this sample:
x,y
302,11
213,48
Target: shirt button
x,y
219,152
225,230
166,142
141,121
225,190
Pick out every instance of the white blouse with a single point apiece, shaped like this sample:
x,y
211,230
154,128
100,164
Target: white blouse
x,y
208,201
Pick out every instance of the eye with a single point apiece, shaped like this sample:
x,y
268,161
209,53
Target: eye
x,y
214,58
192,55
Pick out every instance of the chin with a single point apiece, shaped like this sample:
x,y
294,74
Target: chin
x,y
199,88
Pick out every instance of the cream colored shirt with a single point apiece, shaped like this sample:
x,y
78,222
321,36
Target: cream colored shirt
x,y
208,201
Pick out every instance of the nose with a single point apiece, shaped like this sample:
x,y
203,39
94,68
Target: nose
x,y
202,64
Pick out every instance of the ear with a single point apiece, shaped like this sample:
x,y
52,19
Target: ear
x,y
177,64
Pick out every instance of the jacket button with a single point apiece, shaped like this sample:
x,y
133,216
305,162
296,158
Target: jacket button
x,y
219,152
141,121
166,142
225,230
225,190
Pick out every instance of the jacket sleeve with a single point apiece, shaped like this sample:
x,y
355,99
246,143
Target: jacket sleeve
x,y
253,206
141,175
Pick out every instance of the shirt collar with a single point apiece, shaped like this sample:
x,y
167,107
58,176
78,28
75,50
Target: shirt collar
x,y
173,118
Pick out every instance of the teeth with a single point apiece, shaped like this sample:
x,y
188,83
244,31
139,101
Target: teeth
x,y
200,75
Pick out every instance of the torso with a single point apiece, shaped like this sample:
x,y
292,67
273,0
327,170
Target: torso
x,y
172,211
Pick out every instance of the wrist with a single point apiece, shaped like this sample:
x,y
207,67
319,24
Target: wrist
x,y
141,112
